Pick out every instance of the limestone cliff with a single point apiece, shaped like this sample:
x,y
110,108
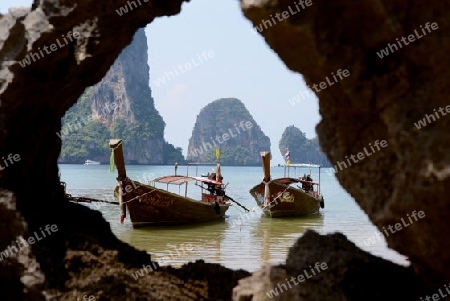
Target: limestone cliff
x,y
120,106
303,150
382,99
228,125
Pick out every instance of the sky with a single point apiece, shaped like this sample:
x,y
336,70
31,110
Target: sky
x,y
238,64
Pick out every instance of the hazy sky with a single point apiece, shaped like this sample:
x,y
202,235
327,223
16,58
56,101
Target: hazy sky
x,y
239,64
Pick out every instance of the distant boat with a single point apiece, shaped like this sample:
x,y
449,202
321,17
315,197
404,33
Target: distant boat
x,y
91,162
152,206
277,198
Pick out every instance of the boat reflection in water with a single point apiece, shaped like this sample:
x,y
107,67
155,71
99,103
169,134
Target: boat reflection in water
x,y
276,237
245,241
267,240
176,245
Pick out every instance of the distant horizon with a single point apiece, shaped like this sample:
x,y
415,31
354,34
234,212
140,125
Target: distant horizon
x,y
192,164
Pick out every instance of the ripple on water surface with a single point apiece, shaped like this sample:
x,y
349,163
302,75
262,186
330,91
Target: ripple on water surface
x,y
239,241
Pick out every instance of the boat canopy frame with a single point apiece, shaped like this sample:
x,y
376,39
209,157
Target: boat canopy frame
x,y
180,180
197,165
300,165
173,180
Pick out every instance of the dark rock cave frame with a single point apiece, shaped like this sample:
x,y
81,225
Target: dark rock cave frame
x,y
381,100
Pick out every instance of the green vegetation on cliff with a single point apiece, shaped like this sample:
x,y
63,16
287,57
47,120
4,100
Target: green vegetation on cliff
x,y
302,150
84,138
227,124
121,106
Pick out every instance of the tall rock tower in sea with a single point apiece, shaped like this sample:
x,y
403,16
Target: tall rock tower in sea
x,y
302,149
228,125
120,106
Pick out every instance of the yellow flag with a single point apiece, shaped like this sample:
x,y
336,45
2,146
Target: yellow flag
x,y
217,153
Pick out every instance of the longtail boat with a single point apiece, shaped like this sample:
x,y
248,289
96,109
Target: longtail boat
x,y
152,206
280,198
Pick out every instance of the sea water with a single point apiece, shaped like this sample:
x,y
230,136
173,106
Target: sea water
x,y
244,239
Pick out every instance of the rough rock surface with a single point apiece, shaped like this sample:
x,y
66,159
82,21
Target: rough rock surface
x,y
314,272
227,124
302,149
381,99
123,106
83,257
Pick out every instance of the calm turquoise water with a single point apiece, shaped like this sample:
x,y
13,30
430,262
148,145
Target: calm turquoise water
x,y
240,241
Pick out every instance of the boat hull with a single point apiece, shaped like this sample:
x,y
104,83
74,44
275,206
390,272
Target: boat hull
x,y
90,162
286,200
151,206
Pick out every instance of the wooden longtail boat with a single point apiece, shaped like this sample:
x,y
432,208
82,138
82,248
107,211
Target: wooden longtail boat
x,y
278,198
152,206
91,162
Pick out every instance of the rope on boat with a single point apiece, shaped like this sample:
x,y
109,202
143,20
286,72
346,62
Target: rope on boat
x,y
138,197
82,199
231,199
